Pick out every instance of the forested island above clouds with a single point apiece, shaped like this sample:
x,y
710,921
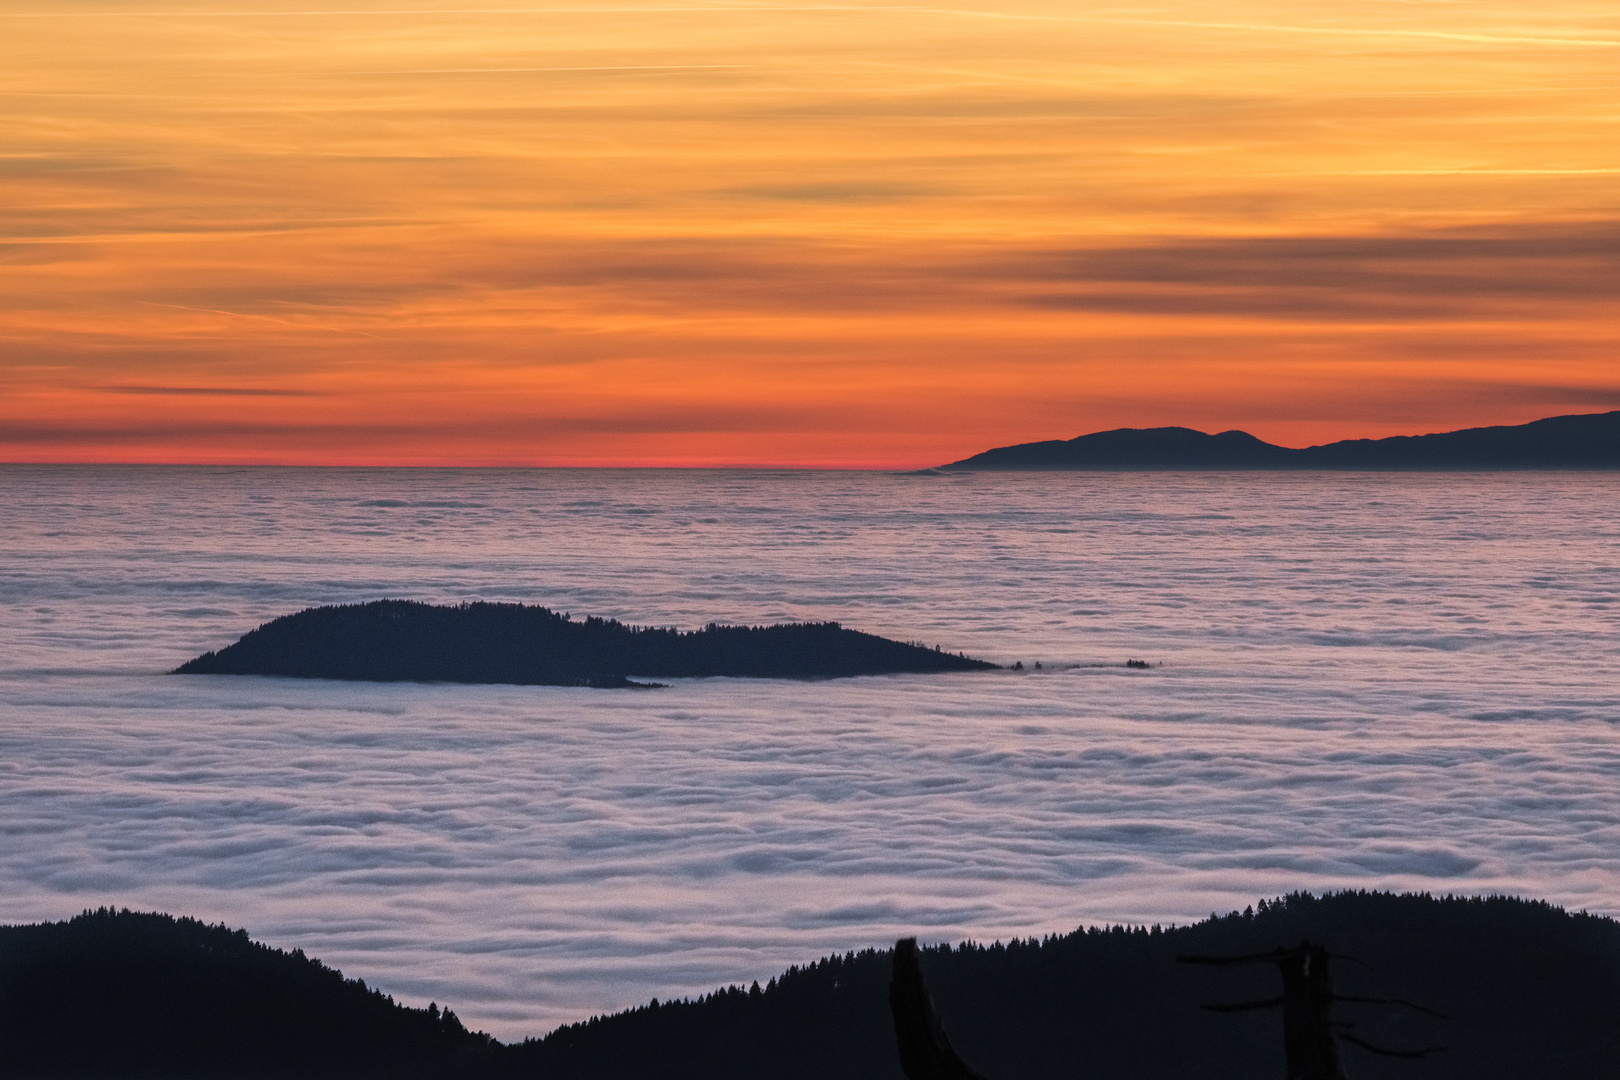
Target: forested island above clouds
x,y
1586,441
407,641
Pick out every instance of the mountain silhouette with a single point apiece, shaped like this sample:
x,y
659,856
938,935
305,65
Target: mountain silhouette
x,y
406,641
1584,441
1513,989
123,994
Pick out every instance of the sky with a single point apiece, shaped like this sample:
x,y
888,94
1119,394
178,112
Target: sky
x,y
847,235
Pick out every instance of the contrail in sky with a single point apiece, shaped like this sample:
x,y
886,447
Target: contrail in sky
x,y
505,70
1452,172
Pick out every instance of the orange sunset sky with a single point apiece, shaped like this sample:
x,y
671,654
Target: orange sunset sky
x,y
847,234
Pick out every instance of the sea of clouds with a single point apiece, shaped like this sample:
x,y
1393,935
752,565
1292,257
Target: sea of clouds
x,y
1407,682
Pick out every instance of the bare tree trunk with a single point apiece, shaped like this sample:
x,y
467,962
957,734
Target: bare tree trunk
x,y
1313,1052
925,1051
1310,1048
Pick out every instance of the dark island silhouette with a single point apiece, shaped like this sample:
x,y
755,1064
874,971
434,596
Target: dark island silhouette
x,y
406,641
1585,441
1512,989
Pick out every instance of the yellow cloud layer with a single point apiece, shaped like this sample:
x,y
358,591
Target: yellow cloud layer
x,y
808,234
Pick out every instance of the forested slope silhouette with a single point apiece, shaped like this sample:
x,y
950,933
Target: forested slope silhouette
x,y
1530,992
121,994
1525,991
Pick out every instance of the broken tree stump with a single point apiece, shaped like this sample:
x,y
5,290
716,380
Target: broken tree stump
x,y
926,1052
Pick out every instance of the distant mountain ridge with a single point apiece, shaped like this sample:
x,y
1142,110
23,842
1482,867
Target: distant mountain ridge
x,y
1582,441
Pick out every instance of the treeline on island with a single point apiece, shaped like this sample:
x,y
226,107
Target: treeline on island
x,y
1511,989
402,640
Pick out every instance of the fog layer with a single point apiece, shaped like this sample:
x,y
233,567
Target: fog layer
x,y
1406,682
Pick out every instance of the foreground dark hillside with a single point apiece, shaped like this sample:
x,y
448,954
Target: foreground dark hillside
x,y
123,994
400,640
1529,991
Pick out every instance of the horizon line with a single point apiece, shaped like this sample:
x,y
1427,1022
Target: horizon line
x,y
719,466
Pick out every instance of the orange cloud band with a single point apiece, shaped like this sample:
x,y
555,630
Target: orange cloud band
x,y
847,236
